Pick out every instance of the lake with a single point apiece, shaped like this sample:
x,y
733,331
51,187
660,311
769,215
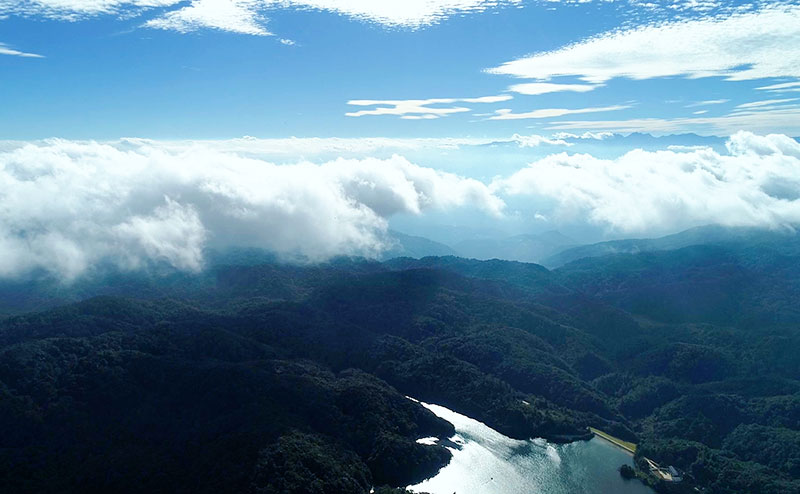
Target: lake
x,y
487,462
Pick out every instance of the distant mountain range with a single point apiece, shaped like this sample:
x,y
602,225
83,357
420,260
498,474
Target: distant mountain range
x,y
416,247
479,244
553,249
703,235
523,248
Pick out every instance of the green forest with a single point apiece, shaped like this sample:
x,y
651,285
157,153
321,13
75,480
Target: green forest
x,y
265,377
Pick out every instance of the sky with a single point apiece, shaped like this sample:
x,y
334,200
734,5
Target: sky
x,y
149,130
169,69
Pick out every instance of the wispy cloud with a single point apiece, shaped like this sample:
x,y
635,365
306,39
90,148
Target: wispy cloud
x,y
784,86
250,16
762,120
75,10
508,114
415,109
405,13
7,50
536,88
707,103
238,16
766,102
752,45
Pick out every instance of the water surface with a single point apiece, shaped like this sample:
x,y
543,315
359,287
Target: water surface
x,y
487,462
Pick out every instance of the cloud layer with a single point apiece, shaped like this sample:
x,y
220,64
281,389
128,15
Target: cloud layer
x,y
69,205
738,47
757,183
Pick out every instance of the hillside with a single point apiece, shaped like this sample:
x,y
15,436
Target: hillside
x,y
269,377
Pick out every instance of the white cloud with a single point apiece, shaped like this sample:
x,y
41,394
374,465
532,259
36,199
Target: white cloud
x,y
757,183
678,147
405,13
248,16
534,140
173,232
508,114
74,10
707,102
761,120
317,148
780,87
766,102
742,46
238,16
536,88
420,108
598,136
68,205
7,50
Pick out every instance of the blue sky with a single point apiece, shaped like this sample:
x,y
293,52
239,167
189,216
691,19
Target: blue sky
x,y
141,131
216,69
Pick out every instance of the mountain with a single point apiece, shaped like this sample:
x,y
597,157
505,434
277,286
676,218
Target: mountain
x,y
705,235
453,234
524,248
403,245
271,377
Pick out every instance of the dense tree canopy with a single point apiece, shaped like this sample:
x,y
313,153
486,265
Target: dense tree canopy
x,y
256,376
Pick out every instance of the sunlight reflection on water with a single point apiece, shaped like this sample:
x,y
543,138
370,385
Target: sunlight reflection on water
x,y
487,462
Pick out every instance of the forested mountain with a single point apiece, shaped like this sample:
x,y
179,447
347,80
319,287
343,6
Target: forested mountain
x,y
715,235
259,376
403,245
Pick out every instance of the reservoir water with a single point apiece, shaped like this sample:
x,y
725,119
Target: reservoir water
x,y
487,462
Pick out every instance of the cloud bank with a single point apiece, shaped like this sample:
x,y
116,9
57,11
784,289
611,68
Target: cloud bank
x,y
70,205
757,183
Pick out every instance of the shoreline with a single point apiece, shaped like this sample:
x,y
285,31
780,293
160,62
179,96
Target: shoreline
x,y
626,446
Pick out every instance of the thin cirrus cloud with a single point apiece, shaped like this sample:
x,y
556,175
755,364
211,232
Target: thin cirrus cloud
x,y
537,88
766,102
416,109
406,13
759,119
782,87
508,114
227,15
75,10
250,16
743,46
707,103
238,16
7,50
